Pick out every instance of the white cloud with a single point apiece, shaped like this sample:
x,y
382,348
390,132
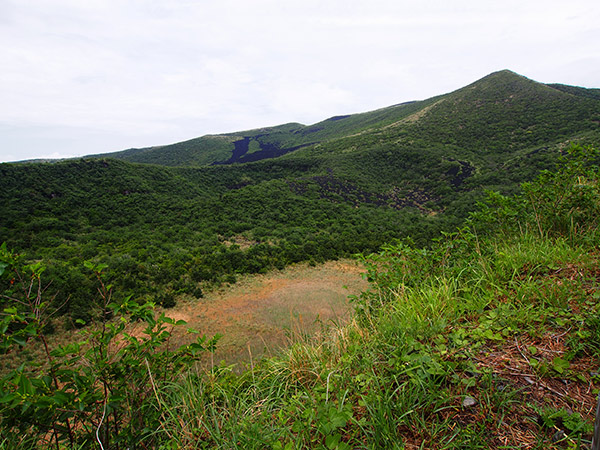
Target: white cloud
x,y
153,72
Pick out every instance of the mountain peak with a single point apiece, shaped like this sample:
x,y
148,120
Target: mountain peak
x,y
505,84
505,72
499,78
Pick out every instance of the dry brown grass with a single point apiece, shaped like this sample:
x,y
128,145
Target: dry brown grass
x,y
262,314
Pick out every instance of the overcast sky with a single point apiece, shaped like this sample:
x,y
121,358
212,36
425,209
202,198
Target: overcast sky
x,y
92,76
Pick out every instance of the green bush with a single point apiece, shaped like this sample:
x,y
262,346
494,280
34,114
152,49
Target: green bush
x,y
102,388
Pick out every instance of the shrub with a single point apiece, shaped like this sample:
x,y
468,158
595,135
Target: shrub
x,y
102,388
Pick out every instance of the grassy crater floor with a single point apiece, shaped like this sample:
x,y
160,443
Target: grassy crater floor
x,y
262,314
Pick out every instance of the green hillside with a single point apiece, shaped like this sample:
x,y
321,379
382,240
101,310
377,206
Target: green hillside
x,y
263,143
346,185
499,113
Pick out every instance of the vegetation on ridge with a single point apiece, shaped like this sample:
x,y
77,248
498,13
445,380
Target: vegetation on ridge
x,y
501,112
489,338
484,338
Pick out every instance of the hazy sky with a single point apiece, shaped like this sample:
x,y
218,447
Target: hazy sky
x,y
93,76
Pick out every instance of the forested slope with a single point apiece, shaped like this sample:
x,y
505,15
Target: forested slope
x,y
409,170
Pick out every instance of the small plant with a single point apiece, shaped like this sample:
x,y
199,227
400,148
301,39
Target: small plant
x,y
564,202
570,423
101,389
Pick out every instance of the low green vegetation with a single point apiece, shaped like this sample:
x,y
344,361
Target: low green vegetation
x,y
489,337
166,233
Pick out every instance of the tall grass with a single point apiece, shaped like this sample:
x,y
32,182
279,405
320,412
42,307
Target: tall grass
x,y
390,379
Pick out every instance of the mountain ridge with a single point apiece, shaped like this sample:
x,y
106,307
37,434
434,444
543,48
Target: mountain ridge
x,y
275,141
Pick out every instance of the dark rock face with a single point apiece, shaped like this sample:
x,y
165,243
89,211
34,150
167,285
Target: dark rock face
x,y
267,150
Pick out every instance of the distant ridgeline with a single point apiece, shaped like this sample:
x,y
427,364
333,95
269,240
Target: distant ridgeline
x,y
172,220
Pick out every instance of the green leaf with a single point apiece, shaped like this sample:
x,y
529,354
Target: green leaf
x,y
297,426
534,362
44,402
25,386
8,398
560,365
60,398
19,340
3,266
338,419
332,441
36,268
532,350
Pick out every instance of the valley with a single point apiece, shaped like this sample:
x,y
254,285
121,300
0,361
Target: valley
x,y
346,185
